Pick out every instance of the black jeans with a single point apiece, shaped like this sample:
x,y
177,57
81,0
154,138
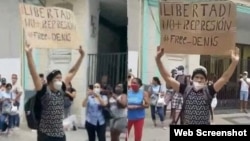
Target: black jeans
x,y
92,130
44,137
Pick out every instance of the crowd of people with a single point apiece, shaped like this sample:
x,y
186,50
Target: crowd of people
x,y
121,107
192,98
10,95
105,105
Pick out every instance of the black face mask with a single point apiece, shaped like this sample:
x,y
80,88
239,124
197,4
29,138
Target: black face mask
x,y
118,91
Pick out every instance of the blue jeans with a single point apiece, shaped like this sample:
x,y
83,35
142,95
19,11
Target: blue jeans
x,y
244,95
157,110
11,121
2,122
14,120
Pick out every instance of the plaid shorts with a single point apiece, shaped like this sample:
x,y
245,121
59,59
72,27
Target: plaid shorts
x,y
177,101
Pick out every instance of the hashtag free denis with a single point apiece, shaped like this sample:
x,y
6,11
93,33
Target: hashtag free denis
x,y
202,133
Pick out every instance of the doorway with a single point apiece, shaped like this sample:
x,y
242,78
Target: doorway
x,y
111,58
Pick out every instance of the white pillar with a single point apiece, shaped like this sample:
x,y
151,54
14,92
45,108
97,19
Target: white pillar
x,y
134,34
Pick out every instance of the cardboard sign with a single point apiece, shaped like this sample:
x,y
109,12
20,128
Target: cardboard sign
x,y
49,27
206,28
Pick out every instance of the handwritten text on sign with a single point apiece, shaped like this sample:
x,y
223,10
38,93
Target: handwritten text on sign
x,y
49,27
198,28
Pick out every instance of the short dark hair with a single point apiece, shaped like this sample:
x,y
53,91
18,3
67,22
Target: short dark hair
x,y
139,81
52,75
8,85
157,80
41,75
91,87
181,67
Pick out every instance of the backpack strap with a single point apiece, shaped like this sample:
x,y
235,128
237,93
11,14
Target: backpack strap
x,y
185,80
208,98
187,91
177,76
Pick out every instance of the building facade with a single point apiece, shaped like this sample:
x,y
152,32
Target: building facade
x,y
147,32
47,59
93,18
144,39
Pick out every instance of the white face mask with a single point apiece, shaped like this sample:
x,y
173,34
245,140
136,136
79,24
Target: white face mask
x,y
245,77
58,85
97,90
179,72
198,86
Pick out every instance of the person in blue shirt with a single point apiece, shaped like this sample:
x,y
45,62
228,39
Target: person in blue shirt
x,y
138,100
95,121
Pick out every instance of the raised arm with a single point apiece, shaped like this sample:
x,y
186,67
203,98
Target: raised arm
x,y
72,72
71,94
229,72
164,73
31,64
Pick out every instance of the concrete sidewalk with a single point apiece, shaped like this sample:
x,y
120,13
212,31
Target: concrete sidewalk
x,y
150,133
158,134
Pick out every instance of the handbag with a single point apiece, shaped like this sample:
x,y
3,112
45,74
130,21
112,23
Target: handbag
x,y
160,101
154,97
107,113
214,102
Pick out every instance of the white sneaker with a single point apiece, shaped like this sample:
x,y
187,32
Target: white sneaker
x,y
33,130
16,128
165,128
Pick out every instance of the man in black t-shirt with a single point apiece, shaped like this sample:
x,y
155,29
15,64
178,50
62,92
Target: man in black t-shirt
x,y
52,98
196,107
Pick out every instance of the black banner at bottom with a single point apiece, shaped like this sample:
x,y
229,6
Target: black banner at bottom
x,y
178,132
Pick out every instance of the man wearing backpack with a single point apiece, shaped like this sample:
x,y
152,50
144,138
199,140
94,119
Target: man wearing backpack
x,y
177,100
195,110
50,96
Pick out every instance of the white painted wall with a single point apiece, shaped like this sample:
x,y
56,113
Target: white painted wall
x,y
83,10
10,35
134,14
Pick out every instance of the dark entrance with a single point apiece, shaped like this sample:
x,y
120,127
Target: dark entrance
x,y
228,97
111,59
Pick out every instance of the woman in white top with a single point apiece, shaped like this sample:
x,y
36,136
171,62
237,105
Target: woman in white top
x,y
117,105
157,101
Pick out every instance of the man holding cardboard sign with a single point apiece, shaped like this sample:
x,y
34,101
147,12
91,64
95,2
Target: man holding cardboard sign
x,y
49,27
198,96
49,99
198,28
